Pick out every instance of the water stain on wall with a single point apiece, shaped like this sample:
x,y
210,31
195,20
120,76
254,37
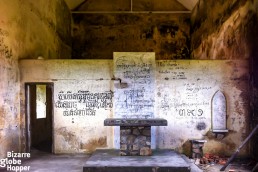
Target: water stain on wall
x,y
68,136
201,126
92,144
165,34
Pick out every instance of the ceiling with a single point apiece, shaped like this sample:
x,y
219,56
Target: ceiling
x,y
188,4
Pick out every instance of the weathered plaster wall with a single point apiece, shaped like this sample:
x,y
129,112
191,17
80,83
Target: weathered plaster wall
x,y
228,30
102,28
83,96
28,29
97,36
184,91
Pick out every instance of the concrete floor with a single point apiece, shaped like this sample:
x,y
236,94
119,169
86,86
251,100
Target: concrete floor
x,y
41,161
109,160
46,162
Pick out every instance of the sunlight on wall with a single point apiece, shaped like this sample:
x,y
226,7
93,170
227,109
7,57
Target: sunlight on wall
x,y
41,101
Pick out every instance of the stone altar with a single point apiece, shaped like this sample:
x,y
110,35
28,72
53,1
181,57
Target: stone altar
x,y
135,134
135,137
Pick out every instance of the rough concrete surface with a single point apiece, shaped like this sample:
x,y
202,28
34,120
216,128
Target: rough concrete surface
x,y
41,161
103,160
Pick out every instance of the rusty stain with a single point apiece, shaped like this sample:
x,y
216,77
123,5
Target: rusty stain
x,y
69,137
92,144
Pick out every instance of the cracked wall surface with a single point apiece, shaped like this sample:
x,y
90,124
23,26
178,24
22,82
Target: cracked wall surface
x,y
28,29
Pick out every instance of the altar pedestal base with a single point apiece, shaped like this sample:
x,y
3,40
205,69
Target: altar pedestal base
x,y
135,134
160,161
135,141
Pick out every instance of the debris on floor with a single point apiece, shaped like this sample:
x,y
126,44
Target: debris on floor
x,y
213,163
213,159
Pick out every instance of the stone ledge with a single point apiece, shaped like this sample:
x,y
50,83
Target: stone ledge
x,y
135,122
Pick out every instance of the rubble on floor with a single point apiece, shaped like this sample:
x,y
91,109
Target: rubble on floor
x,y
213,159
213,163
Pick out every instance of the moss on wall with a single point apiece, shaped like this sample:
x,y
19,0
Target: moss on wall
x,y
97,36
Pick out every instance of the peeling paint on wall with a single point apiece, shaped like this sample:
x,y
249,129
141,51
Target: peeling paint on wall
x,y
184,90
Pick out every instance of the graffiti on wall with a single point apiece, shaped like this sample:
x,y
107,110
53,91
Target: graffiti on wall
x,y
185,91
137,70
181,94
83,103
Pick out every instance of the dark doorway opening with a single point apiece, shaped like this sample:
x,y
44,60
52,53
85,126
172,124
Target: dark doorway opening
x,y
39,116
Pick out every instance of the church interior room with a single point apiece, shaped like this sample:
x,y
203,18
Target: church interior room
x,y
129,85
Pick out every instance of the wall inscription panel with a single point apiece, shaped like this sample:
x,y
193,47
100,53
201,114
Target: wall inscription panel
x,y
135,81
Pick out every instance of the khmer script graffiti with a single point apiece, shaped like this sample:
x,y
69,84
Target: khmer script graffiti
x,y
83,103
